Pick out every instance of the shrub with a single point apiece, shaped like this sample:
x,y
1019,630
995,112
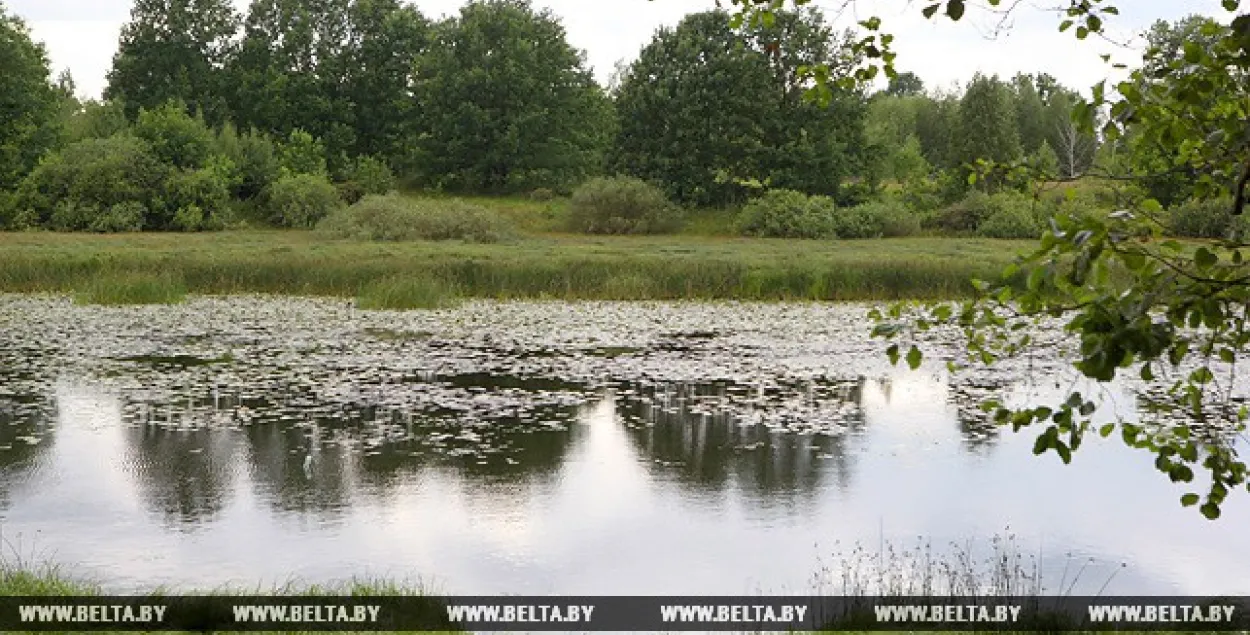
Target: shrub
x,y
921,195
622,205
393,217
174,136
255,160
303,154
788,214
198,199
1212,218
542,195
87,177
122,217
886,218
366,176
9,217
301,200
1012,221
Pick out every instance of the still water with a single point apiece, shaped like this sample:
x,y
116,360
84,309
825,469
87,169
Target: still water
x,y
596,448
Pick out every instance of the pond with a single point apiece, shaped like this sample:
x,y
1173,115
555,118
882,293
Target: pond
x,y
547,447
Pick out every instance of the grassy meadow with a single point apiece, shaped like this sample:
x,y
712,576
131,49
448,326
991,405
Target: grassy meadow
x,y
703,262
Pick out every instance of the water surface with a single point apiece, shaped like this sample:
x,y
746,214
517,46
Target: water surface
x,y
592,448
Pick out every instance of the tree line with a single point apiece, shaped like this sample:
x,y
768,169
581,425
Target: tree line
x,y
207,111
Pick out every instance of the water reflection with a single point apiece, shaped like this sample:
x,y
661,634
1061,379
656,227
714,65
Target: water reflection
x,y
198,474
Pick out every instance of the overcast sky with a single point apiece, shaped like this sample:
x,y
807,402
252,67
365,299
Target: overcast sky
x,y
81,35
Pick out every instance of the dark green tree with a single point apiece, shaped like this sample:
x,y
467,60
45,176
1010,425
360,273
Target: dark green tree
x,y
506,104
937,120
30,106
1030,112
987,122
385,40
711,114
291,70
174,50
905,84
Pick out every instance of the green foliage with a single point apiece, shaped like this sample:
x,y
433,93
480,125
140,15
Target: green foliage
x,y
174,50
90,176
29,105
303,154
622,205
1044,159
199,200
174,136
366,175
394,217
789,214
122,217
507,105
301,200
254,158
881,218
1205,219
711,114
1015,221
987,122
96,120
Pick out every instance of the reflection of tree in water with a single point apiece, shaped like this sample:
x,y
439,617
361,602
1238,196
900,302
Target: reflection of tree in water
x,y
26,442
704,432
285,475
488,450
187,476
977,429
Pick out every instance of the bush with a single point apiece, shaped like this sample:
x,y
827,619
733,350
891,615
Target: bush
x,y
1011,221
875,219
393,217
198,199
88,177
542,195
8,210
1211,218
255,160
301,200
622,205
174,136
303,154
123,217
366,176
789,214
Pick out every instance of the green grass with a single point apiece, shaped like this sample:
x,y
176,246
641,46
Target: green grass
x,y
406,292
124,267
21,580
114,288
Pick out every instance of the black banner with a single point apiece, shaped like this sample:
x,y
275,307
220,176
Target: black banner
x,y
620,613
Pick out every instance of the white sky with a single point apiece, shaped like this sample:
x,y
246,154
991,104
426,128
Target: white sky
x,y
81,35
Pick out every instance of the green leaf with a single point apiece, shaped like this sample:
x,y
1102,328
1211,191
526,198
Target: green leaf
x,y
930,10
1204,259
955,9
914,357
1210,510
892,353
1230,5
1065,25
1106,430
